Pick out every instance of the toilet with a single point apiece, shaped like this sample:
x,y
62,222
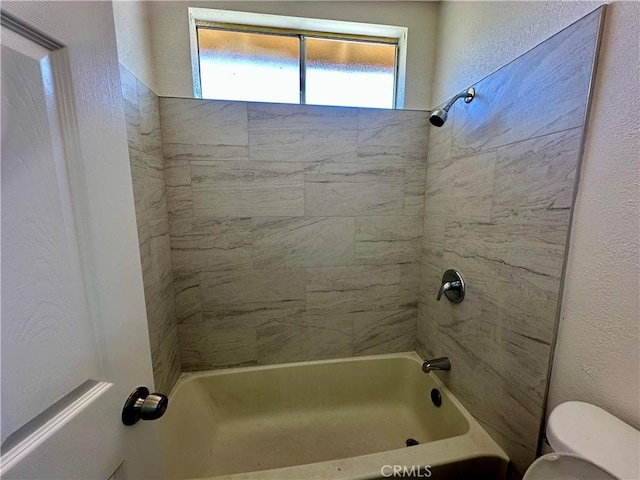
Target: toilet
x,y
588,443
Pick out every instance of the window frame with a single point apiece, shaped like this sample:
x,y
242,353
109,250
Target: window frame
x,y
298,27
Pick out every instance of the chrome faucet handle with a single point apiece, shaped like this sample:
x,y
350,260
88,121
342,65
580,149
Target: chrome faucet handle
x,y
445,287
452,286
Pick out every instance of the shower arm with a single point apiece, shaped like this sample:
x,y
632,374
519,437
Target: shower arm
x,y
467,94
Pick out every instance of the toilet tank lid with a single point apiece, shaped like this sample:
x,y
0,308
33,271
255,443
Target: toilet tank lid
x,y
590,431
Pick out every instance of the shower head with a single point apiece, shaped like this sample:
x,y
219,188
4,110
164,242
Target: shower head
x,y
440,114
438,117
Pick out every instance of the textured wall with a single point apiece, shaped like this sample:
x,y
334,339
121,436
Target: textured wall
x,y
171,50
500,184
147,174
133,37
295,230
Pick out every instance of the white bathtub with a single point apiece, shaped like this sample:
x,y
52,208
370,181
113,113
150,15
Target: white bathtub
x,y
338,419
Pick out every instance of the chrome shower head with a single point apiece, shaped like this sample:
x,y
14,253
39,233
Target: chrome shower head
x,y
438,117
440,114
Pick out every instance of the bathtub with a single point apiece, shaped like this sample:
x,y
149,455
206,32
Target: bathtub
x,y
331,419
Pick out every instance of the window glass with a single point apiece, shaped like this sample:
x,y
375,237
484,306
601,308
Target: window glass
x,y
266,67
350,73
249,66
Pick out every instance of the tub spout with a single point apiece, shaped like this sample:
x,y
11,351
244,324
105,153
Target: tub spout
x,y
441,363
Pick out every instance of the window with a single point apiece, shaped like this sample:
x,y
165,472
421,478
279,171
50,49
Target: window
x,y
257,57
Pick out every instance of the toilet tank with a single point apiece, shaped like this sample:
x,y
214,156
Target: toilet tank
x,y
593,433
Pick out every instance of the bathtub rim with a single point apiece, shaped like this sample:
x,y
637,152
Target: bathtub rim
x,y
187,377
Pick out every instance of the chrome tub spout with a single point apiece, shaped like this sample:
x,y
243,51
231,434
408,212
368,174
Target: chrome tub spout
x,y
441,363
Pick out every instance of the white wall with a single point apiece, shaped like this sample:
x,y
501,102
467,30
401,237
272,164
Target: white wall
x,y
133,39
172,58
597,356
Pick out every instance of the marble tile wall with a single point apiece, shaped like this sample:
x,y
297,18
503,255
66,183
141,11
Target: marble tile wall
x,y
295,230
148,177
501,176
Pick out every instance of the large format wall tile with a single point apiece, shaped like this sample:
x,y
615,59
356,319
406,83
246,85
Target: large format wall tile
x,y
520,265
197,123
354,189
431,264
414,188
295,230
231,343
384,331
501,178
240,288
142,115
157,276
150,199
179,193
534,180
391,135
304,337
188,297
210,245
518,348
300,133
282,242
353,289
166,362
409,284
469,177
150,139
387,240
246,189
144,164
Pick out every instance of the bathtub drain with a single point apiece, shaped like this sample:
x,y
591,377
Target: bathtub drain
x,y
411,442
